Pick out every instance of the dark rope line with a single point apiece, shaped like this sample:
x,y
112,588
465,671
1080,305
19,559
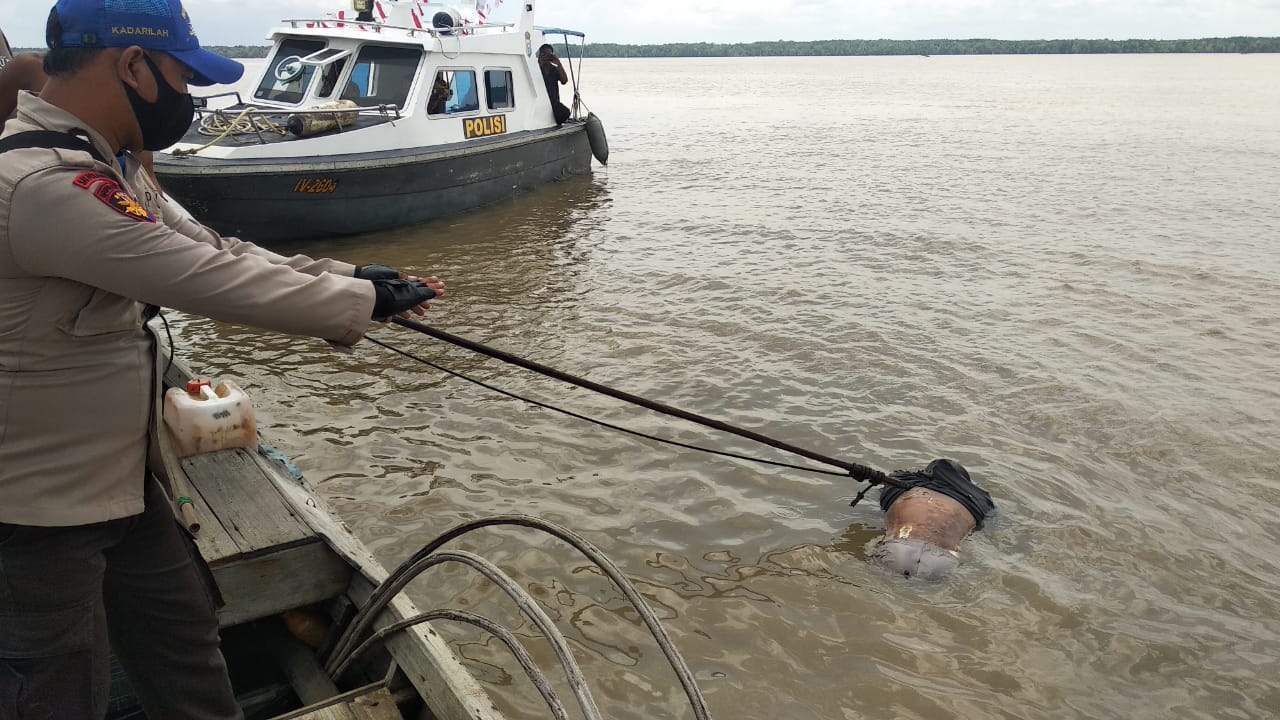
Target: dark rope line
x,y
169,335
856,471
601,423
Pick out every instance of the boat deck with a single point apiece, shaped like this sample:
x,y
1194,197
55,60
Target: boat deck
x,y
265,559
272,547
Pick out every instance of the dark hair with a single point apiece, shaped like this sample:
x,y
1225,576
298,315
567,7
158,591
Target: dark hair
x,y
545,47
64,60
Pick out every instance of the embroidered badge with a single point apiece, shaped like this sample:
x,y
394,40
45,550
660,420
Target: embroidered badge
x,y
106,189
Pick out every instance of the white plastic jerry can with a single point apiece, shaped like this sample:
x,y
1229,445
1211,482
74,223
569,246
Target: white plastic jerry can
x,y
204,418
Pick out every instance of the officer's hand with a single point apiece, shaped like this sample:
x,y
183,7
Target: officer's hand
x,y
382,272
378,272
395,297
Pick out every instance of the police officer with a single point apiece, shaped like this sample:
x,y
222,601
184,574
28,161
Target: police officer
x,y
88,544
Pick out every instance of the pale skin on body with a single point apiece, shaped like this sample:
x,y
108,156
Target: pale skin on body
x,y
95,95
928,516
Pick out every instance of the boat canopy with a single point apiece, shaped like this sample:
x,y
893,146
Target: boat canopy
x,y
562,31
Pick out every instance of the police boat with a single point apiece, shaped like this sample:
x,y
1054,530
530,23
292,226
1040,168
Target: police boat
x,y
389,114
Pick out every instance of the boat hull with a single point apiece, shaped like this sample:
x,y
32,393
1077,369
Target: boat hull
x,y
276,199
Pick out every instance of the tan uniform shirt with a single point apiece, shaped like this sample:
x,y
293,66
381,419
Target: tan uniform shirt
x,y
78,369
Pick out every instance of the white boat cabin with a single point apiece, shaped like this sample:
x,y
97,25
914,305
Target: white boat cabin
x,y
422,74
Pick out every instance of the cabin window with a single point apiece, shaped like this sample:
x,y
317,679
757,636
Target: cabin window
x,y
499,90
382,75
453,92
329,77
287,77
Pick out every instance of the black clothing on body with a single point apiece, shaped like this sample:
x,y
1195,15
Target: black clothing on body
x,y
946,477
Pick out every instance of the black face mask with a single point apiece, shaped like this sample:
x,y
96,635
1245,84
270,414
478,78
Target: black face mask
x,y
166,120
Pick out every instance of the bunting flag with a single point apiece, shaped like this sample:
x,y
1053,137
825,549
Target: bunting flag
x,y
484,8
419,13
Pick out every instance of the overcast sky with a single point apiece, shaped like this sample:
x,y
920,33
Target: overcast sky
x,y
246,22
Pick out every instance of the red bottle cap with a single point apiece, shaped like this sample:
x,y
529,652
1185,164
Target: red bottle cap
x,y
193,386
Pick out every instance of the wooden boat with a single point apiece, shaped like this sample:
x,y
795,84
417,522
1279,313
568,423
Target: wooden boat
x,y
290,575
358,125
300,595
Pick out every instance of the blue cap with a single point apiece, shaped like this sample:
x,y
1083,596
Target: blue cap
x,y
161,25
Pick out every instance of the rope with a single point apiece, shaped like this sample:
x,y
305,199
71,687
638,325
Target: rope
x,y
862,473
217,124
573,75
595,421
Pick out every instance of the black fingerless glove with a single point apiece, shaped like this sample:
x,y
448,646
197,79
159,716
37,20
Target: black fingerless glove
x,y
376,272
396,296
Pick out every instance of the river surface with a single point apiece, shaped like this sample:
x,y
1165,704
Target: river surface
x,y
1061,271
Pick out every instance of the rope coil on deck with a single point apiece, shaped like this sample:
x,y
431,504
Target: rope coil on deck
x,y
250,120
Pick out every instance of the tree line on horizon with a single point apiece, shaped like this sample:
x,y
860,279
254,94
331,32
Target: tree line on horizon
x,y
973,46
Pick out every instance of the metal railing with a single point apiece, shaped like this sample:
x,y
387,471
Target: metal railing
x,y
411,30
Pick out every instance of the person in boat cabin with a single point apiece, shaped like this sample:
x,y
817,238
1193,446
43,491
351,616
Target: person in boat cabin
x,y
440,94
89,546
554,76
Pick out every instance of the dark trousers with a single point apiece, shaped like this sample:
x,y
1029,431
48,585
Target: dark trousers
x,y
561,112
63,591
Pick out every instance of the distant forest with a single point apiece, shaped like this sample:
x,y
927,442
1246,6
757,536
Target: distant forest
x,y
784,48
788,48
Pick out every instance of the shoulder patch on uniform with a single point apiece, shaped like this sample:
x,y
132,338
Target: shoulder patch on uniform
x,y
113,195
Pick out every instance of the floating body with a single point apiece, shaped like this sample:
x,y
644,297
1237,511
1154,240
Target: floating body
x,y
926,521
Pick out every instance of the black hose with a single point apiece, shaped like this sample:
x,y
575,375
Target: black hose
x,y
527,604
401,576
506,636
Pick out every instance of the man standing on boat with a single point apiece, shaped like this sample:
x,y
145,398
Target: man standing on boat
x,y
88,543
554,76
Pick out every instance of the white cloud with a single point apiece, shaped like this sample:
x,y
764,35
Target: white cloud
x,y
226,22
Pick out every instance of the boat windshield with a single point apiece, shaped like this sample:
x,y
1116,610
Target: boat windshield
x,y
382,75
287,77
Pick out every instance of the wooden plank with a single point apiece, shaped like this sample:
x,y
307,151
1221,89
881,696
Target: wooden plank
x,y
213,541
333,712
377,705
341,707
270,583
244,501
